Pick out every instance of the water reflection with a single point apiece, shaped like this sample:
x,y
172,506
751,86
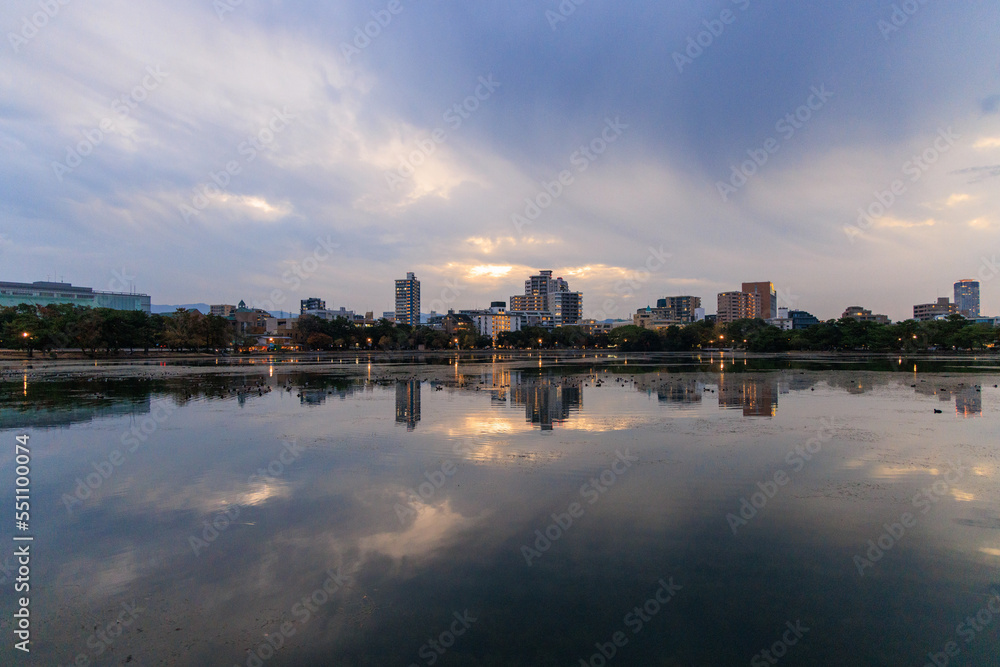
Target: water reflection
x,y
547,401
757,397
475,482
408,403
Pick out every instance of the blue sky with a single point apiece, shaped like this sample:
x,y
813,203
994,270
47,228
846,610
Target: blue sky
x,y
349,165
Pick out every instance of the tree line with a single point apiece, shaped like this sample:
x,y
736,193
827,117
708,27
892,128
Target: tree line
x,y
92,330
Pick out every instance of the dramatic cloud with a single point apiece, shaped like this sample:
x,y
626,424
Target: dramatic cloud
x,y
211,148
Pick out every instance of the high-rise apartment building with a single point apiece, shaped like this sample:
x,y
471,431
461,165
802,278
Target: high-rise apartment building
x,y
550,299
967,298
734,306
408,300
679,308
766,297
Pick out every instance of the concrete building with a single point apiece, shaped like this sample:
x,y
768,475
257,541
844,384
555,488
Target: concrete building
x,y
923,312
494,321
734,306
767,298
311,303
657,318
864,315
222,310
550,302
331,315
967,298
408,300
43,293
684,308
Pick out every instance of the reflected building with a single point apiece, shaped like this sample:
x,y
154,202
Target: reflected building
x,y
757,396
546,402
672,391
408,403
82,410
969,402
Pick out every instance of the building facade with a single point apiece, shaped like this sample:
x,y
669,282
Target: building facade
x,y
42,293
222,309
967,298
923,312
408,300
734,306
547,302
684,308
767,299
864,315
311,303
801,319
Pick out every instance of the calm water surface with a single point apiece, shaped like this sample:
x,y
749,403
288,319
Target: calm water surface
x,y
543,513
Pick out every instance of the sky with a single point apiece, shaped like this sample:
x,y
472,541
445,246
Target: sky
x,y
218,150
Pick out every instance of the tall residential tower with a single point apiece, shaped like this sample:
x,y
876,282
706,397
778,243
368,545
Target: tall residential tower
x,y
408,300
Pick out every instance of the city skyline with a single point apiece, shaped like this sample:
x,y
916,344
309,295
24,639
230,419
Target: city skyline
x,y
313,158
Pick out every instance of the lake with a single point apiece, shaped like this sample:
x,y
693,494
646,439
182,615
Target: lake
x,y
509,510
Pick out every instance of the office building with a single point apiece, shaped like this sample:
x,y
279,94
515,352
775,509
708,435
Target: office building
x,y
734,306
967,298
408,300
311,304
932,311
43,293
801,319
222,310
767,299
684,309
863,315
